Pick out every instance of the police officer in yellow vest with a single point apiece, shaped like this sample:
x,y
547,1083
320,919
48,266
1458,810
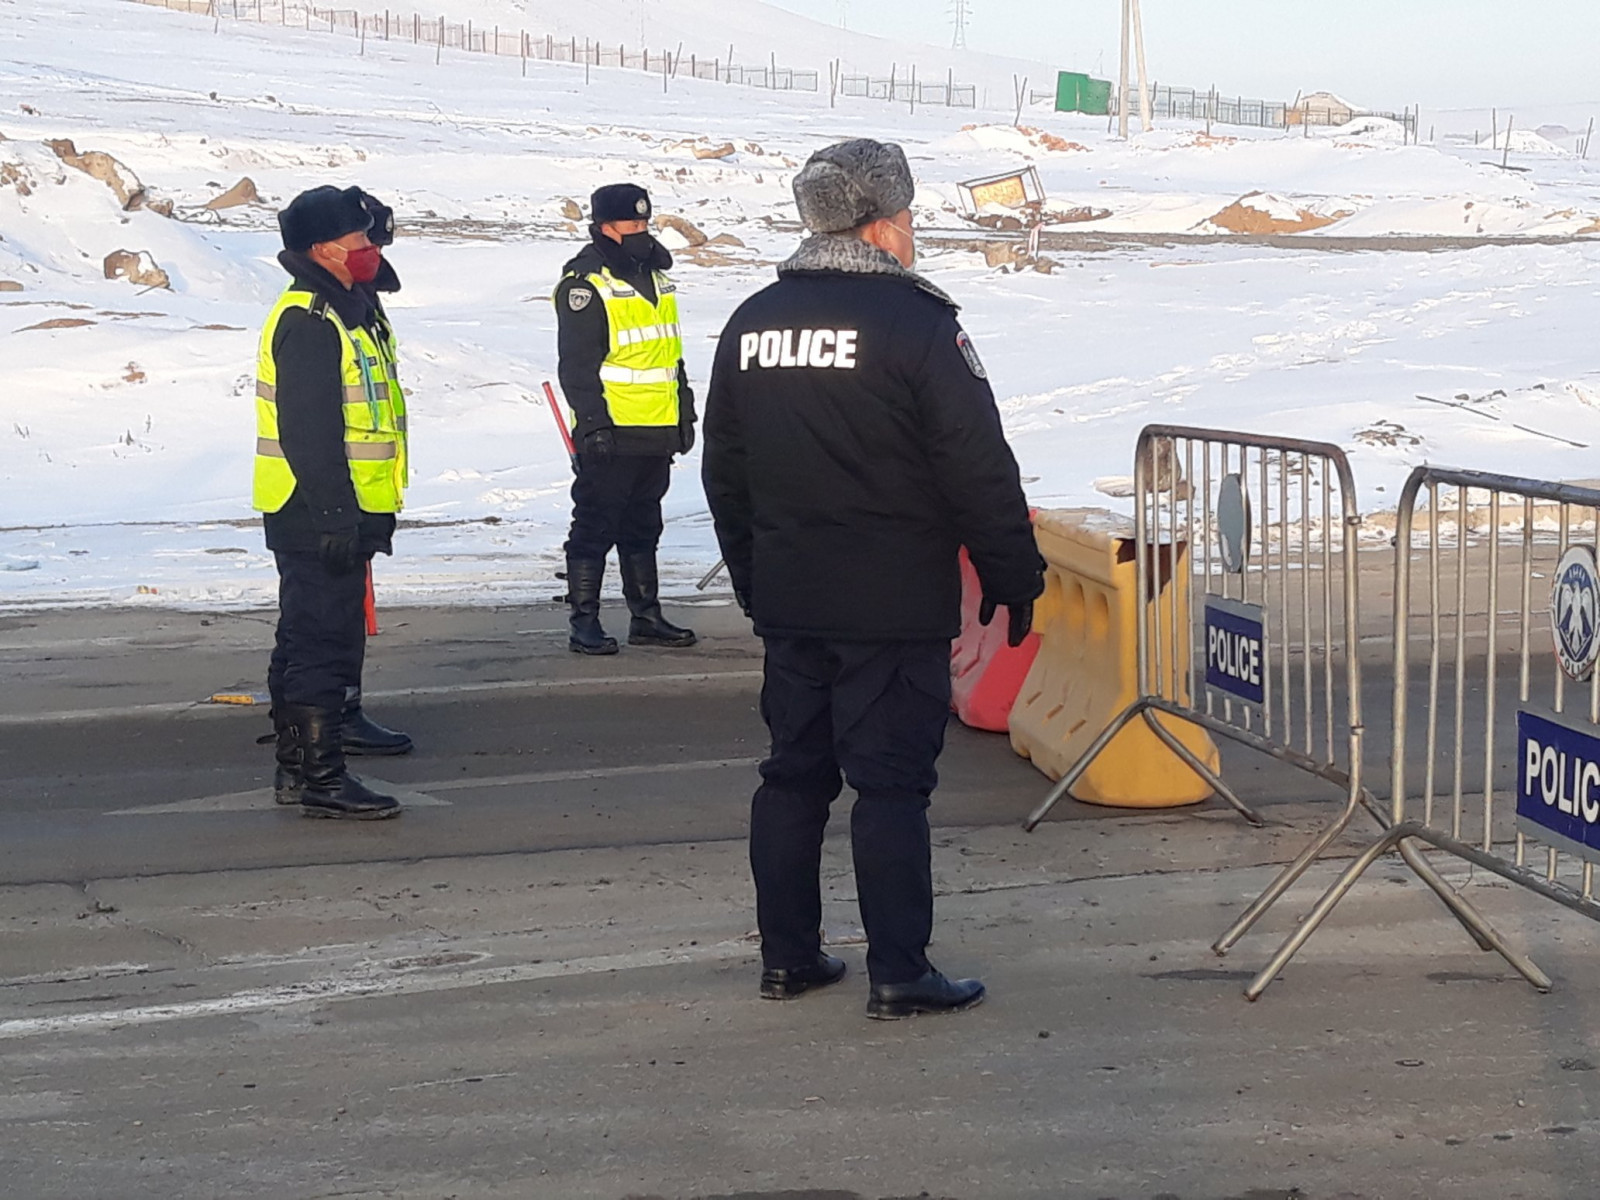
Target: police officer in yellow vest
x,y
330,473
622,371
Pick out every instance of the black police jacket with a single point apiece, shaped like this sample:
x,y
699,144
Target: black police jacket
x,y
852,446
310,393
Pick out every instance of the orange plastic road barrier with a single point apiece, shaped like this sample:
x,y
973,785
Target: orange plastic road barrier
x,y
985,673
1086,672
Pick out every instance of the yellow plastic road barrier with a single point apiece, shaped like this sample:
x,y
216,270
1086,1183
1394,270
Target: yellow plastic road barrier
x,y
1086,673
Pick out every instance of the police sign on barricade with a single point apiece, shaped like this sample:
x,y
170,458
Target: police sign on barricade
x,y
1491,789
1269,526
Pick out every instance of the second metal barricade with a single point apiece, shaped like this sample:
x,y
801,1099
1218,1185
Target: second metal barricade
x,y
1270,528
1519,798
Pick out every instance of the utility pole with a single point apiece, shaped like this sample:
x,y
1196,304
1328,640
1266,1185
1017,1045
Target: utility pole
x,y
1123,97
1147,98
1132,34
960,12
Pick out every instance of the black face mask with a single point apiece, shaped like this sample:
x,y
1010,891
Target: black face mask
x,y
640,247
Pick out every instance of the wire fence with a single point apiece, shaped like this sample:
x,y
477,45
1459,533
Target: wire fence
x,y
468,37
912,91
1191,104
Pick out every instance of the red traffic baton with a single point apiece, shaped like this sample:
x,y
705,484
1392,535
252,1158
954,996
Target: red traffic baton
x,y
561,425
370,605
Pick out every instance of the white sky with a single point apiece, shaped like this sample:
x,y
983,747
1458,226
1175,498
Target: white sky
x,y
1377,53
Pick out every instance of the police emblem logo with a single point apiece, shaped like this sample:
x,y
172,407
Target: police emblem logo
x,y
641,206
578,298
970,353
1575,612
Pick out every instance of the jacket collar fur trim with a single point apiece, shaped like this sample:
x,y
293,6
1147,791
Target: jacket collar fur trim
x,y
846,254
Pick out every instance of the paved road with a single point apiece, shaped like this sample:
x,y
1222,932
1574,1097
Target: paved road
x,y
539,982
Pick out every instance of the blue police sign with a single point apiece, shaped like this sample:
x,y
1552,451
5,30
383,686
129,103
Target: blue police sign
x,y
1236,649
1558,783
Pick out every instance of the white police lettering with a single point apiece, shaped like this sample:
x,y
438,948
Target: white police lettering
x,y
1235,655
834,348
1563,781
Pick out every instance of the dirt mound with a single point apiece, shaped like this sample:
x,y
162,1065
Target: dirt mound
x,y
137,267
243,192
1263,213
691,233
99,165
1041,139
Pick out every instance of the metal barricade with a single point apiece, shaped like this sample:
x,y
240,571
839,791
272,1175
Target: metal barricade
x,y
1271,526
1490,791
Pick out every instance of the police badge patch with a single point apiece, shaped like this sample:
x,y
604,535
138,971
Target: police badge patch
x,y
578,298
970,353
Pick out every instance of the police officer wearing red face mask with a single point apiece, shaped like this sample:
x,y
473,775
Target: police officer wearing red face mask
x,y
330,475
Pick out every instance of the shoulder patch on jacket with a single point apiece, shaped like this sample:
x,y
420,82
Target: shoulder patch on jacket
x,y
578,298
970,353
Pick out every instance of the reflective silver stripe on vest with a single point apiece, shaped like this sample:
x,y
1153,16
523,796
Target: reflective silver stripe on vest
x,y
356,451
611,374
353,393
647,333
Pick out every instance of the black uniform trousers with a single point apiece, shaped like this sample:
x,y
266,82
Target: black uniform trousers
x,y
322,632
616,501
875,711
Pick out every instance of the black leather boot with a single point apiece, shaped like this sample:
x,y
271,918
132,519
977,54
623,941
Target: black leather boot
x,y
287,779
780,984
640,588
933,993
330,790
363,735
584,576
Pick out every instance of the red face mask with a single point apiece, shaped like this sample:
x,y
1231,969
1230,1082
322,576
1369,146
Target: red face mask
x,y
363,263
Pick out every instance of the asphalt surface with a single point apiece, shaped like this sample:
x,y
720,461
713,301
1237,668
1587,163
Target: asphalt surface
x,y
539,981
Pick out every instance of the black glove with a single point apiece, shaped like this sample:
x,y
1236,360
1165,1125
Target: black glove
x,y
600,445
1020,619
685,437
742,599
340,551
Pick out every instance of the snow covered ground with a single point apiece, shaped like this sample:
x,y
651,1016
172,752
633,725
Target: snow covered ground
x,y
126,422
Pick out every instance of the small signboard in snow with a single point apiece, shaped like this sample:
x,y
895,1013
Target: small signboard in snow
x,y
1012,190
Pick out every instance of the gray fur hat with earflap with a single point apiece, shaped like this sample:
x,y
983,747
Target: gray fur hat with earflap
x,y
846,185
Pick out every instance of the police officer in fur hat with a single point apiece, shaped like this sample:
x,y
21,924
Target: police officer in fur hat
x,y
622,370
330,475
852,448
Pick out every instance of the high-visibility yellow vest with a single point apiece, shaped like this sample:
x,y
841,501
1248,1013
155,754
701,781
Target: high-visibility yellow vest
x,y
640,374
374,414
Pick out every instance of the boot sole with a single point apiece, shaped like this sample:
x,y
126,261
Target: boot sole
x,y
594,652
665,643
378,751
286,798
370,814
901,1012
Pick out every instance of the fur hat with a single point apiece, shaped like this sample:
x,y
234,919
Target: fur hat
x,y
324,214
382,231
619,202
845,185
